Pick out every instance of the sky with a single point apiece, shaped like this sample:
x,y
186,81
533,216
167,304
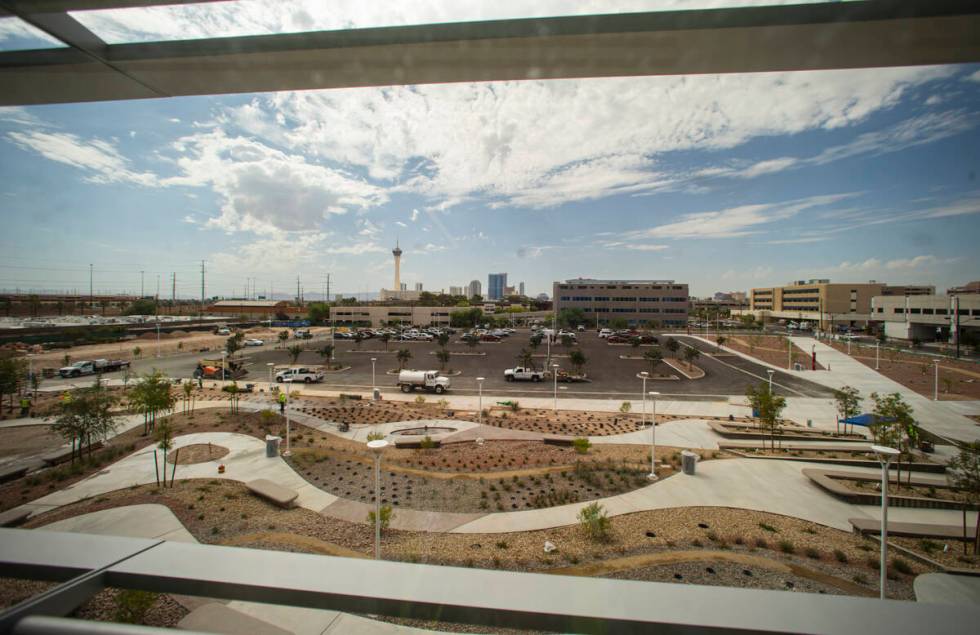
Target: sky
x,y
725,182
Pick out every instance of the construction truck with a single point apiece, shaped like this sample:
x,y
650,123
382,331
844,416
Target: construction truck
x,y
221,368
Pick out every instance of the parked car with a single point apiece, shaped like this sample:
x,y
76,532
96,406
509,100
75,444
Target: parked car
x,y
305,375
487,337
254,342
605,333
302,334
617,339
581,328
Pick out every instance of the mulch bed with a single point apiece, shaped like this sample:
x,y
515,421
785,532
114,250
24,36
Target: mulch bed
x,y
196,453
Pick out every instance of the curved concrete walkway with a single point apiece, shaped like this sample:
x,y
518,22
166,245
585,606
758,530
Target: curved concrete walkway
x,y
157,521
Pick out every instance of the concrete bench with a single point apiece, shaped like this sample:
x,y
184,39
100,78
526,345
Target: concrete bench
x,y
218,618
914,530
12,472
264,488
13,517
64,454
415,442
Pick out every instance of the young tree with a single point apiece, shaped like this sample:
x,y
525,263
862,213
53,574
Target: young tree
x,y
964,474
525,358
12,372
294,352
164,437
358,338
691,354
536,340
473,341
283,336
85,414
403,355
188,389
618,323
848,404
892,421
720,341
443,339
386,337
768,406
653,357
137,351
578,360
443,356
672,345
233,344
566,340
233,395
150,396
325,352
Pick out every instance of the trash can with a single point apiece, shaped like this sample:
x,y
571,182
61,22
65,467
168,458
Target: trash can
x,y
272,445
688,461
377,394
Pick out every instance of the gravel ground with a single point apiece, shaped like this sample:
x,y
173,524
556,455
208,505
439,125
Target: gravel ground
x,y
946,552
721,573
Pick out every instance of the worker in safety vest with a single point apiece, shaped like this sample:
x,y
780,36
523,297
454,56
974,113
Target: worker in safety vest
x,y
25,406
282,403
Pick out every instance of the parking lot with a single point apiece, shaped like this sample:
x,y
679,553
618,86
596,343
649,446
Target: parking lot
x,y
609,375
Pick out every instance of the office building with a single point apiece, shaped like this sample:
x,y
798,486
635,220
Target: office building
x,y
943,318
496,283
418,286
520,290
638,302
968,288
457,290
826,302
475,288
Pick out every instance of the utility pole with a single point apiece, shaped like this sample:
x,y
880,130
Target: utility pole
x,y
328,287
91,293
173,290
202,287
142,294
299,299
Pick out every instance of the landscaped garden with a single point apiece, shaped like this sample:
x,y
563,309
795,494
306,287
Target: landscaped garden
x,y
771,349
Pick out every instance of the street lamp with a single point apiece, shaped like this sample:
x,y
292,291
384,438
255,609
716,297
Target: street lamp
x,y
554,373
885,456
374,384
935,388
653,439
377,447
287,452
479,381
771,373
877,345
643,395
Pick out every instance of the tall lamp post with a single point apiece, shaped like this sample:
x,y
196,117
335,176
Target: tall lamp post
x,y
877,348
885,456
377,447
653,438
270,366
287,452
554,374
479,381
643,395
771,373
935,387
374,384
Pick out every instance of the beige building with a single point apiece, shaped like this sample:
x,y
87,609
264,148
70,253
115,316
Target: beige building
x,y
826,302
928,317
661,302
255,308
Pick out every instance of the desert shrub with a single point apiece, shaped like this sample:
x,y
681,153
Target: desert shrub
x,y
375,436
928,545
901,566
841,556
502,544
427,443
132,605
761,543
514,406
594,522
712,536
582,445
625,407
420,399
812,553
769,528
386,516
786,546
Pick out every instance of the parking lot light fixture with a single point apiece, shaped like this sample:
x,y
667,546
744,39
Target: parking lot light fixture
x,y
643,395
653,438
935,388
885,456
287,452
877,347
771,373
374,384
479,415
377,447
554,374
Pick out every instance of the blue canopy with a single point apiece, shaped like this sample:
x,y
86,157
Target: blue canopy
x,y
867,419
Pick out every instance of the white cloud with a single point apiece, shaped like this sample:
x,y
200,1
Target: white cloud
x,y
16,114
266,190
735,221
174,119
100,159
415,215
190,220
356,249
973,77
276,256
400,224
915,264
633,246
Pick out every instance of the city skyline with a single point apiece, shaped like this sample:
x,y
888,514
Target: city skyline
x,y
724,182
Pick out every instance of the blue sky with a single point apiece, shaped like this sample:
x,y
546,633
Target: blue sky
x,y
724,182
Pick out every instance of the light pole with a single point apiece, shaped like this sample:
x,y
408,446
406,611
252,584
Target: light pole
x,y
377,447
935,387
374,384
653,439
813,357
158,337
287,452
877,345
771,373
848,344
643,395
885,456
479,381
554,374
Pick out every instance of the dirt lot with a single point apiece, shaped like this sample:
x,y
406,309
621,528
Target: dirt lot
x,y
958,379
769,348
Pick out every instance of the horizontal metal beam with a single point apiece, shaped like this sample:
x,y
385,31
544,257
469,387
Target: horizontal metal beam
x,y
753,39
495,599
54,6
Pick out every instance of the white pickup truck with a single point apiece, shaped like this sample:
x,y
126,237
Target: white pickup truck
x,y
430,380
90,367
522,373
305,375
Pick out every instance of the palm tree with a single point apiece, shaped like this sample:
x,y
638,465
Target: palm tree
x,y
386,337
691,354
672,345
283,336
536,340
443,356
654,356
443,339
566,340
294,352
403,355
525,358
325,352
578,360
720,340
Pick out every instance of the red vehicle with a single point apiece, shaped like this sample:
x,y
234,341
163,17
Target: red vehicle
x,y
489,338
617,339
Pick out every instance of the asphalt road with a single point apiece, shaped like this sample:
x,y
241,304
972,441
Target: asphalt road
x,y
611,376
